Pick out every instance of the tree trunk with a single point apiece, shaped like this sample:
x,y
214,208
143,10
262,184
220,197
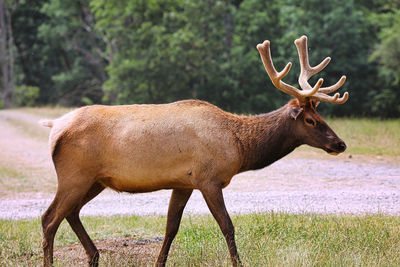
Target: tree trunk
x,y
228,23
10,58
3,52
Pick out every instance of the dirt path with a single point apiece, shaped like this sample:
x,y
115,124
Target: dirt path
x,y
301,182
25,163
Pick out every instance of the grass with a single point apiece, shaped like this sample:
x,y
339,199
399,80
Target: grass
x,y
45,112
25,120
29,130
11,178
294,240
364,136
369,136
23,179
271,239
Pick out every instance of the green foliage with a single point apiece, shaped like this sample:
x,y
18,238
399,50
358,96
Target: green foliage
x,y
256,21
387,54
25,95
136,51
141,70
334,29
35,59
69,30
166,50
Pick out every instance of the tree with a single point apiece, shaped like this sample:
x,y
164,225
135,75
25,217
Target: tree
x,y
137,34
35,60
165,50
70,31
155,51
201,50
334,29
386,98
6,54
255,21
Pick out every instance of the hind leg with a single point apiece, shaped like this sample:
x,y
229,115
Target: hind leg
x,y
76,225
67,198
178,201
215,202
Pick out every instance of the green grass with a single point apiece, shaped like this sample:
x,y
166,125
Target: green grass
x,y
371,137
272,239
20,241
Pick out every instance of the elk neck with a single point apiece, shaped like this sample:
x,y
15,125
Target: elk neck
x,y
266,138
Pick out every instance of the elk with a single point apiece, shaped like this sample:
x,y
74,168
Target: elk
x,y
181,146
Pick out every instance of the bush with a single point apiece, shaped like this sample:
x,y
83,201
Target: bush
x,y
25,95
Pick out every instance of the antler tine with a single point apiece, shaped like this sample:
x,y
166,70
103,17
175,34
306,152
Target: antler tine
x,y
317,92
331,99
307,72
265,53
302,50
333,88
343,99
276,78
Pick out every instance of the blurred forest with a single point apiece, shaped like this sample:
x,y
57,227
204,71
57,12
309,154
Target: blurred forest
x,y
79,52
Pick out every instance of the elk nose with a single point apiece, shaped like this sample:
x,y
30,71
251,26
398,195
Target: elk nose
x,y
341,146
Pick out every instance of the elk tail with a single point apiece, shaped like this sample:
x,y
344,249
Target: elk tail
x,y
46,123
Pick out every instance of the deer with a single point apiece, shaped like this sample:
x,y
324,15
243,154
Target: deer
x,y
183,146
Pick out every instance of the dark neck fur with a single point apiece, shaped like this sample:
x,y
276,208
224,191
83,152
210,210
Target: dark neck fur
x,y
266,138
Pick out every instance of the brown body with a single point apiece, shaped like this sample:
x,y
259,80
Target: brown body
x,y
143,148
182,146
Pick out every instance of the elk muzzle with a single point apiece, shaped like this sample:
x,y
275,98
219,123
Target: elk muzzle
x,y
336,147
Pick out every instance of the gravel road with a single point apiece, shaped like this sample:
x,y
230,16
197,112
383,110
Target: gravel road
x,y
299,183
291,185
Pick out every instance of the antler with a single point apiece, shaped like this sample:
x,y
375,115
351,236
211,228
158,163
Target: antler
x,y
306,73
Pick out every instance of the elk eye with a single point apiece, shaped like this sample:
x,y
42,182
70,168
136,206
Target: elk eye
x,y
310,122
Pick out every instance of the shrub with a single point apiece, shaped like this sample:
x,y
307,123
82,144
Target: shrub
x,y
25,95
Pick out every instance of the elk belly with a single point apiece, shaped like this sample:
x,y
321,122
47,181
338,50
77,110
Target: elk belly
x,y
137,183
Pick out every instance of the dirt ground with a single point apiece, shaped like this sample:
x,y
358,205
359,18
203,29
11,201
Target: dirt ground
x,y
142,251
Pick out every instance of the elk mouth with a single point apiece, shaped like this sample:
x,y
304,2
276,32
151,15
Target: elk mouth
x,y
339,148
332,152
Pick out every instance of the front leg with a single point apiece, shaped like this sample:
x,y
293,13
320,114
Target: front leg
x,y
177,203
215,201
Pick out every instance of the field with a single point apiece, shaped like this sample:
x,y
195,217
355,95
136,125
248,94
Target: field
x,y
369,136
264,239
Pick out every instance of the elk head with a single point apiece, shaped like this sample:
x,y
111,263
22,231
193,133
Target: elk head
x,y
308,125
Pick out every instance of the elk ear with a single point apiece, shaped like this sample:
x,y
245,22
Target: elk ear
x,y
294,112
